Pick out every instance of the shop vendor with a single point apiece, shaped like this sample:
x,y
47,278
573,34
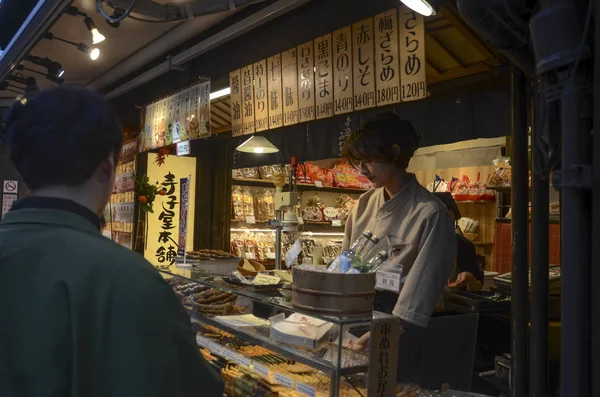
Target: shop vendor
x,y
413,225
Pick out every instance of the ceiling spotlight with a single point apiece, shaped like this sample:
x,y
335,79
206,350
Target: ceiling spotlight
x,y
97,37
54,69
92,52
55,78
424,7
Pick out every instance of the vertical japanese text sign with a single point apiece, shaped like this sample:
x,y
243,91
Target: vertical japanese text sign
x,y
387,61
183,214
364,64
383,357
275,96
306,82
324,77
204,109
247,100
342,71
167,250
412,55
237,127
290,86
260,96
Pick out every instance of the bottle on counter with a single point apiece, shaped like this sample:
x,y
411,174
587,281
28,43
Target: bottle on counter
x,y
360,258
343,260
370,266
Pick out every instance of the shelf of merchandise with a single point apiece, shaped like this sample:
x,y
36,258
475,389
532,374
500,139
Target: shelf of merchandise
x,y
313,358
324,358
484,202
302,187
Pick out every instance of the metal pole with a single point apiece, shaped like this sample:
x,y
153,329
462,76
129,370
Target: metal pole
x,y
595,331
575,238
520,240
539,270
278,218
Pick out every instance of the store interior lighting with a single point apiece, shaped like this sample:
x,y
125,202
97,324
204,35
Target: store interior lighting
x,y
92,52
97,37
424,7
258,145
220,93
54,69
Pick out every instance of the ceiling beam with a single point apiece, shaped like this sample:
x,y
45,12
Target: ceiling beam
x,y
447,50
451,14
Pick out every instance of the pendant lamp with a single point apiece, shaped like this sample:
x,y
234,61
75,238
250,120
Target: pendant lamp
x,y
257,144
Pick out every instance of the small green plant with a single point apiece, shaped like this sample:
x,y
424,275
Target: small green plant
x,y
145,193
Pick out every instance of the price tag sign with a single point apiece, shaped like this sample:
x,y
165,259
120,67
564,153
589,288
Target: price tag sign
x,y
250,219
184,148
305,389
318,184
284,380
270,255
260,369
201,341
330,212
228,354
215,348
249,255
336,223
388,281
243,360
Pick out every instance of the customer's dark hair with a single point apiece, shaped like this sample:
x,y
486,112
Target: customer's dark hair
x,y
375,140
60,136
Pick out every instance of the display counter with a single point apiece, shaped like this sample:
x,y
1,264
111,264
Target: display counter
x,y
259,341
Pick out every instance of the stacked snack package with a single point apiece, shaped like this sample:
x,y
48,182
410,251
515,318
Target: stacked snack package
x,y
266,172
313,212
476,191
501,177
346,176
237,200
265,206
248,203
302,175
318,174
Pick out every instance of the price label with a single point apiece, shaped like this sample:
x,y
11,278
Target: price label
x,y
330,212
184,148
260,369
265,279
250,219
249,255
270,255
318,184
215,348
243,360
388,281
336,223
228,354
306,389
284,380
201,341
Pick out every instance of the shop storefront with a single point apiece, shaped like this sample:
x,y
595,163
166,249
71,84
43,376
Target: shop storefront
x,y
219,215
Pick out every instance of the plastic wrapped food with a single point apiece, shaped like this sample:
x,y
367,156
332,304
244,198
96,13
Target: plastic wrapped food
x,y
313,212
237,200
266,172
250,173
501,177
248,203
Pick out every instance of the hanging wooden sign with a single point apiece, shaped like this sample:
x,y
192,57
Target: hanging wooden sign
x,y
247,100
235,99
290,86
204,109
306,82
363,64
260,96
275,97
412,55
342,71
324,77
387,62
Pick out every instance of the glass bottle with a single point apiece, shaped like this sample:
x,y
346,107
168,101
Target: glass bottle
x,y
342,262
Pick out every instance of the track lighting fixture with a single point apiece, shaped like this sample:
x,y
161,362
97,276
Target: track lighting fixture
x,y
97,37
54,69
52,77
92,52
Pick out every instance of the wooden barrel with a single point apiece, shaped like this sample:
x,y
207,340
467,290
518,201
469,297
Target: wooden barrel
x,y
333,294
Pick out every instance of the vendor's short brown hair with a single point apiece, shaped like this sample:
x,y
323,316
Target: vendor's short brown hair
x,y
375,140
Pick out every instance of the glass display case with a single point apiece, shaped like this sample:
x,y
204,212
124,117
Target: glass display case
x,y
262,345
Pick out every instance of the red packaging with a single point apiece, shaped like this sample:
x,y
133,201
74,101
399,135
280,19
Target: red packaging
x,y
302,175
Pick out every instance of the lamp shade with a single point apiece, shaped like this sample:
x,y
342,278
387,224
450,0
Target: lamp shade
x,y
424,7
257,144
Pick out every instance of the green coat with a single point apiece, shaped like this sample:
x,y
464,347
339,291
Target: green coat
x,y
81,316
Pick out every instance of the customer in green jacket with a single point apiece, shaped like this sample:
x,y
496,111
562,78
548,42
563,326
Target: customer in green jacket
x,y
80,316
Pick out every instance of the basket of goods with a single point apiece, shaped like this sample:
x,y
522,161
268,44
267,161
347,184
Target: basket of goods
x,y
250,267
502,174
212,301
313,212
337,294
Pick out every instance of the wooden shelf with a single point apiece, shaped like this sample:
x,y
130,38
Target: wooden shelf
x,y
302,187
475,202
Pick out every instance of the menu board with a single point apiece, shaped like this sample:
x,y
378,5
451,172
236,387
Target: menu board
x,y
237,128
342,71
260,96
306,82
364,65
275,96
387,60
290,86
412,55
